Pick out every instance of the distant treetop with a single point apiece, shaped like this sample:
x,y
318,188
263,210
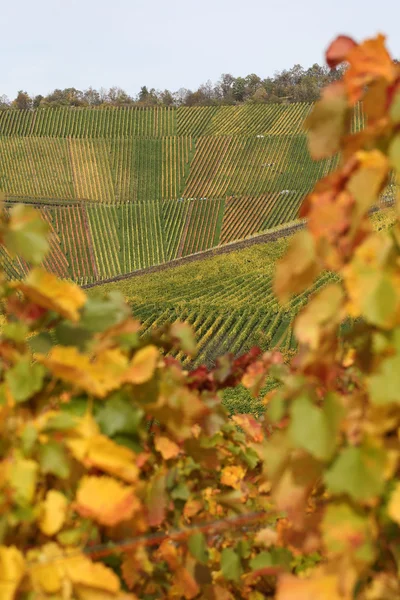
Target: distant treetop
x,y
294,85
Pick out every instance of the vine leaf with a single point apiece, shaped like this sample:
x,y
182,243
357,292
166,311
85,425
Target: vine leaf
x,y
47,291
54,511
105,500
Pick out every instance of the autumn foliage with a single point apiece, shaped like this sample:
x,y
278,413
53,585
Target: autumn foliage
x,y
122,476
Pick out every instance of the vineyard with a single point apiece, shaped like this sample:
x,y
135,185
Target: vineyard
x,y
136,154
127,188
228,300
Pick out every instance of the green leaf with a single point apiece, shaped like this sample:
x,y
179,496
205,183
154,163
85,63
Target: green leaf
x,y
180,492
276,408
3,394
282,557
60,422
53,460
358,472
26,235
119,416
384,385
28,439
380,305
76,406
250,457
313,428
70,537
394,153
42,342
231,565
69,334
101,313
342,525
198,547
15,331
25,379
261,561
243,548
23,479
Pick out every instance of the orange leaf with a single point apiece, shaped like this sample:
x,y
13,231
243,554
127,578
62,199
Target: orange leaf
x,y
168,552
232,476
185,583
46,290
368,61
134,564
191,508
338,50
319,586
250,426
166,447
105,500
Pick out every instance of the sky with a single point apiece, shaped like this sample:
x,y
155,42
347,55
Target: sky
x,y
48,44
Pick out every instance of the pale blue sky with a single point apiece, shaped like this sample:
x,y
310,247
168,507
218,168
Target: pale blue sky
x,y
45,44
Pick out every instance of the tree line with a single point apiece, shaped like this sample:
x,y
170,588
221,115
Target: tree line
x,y
294,85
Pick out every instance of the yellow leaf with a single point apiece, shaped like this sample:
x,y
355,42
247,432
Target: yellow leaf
x,y
105,500
12,569
323,312
23,478
232,476
96,375
45,568
79,439
46,290
54,569
166,447
368,180
109,456
142,366
54,510
81,570
298,268
93,449
394,505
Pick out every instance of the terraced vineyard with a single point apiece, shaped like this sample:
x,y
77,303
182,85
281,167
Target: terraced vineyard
x,y
127,188
146,154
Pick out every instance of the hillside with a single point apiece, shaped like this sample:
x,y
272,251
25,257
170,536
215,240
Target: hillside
x,y
227,299
124,189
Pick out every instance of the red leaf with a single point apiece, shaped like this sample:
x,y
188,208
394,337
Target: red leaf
x,y
338,50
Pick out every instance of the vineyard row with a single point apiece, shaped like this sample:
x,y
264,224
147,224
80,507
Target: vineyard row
x,y
110,122
148,169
